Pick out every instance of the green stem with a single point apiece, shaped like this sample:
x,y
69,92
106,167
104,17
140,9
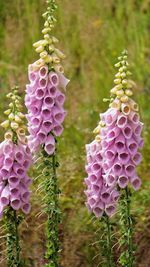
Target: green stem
x,y
52,210
127,256
109,263
109,256
18,249
10,243
13,246
106,242
129,229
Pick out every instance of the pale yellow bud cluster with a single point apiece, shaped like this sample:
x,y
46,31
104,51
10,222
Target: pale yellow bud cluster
x,y
14,125
122,91
46,49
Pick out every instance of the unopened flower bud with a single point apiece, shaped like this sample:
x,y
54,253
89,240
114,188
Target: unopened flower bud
x,y
9,95
98,138
7,112
123,75
124,98
43,54
96,130
121,69
124,68
117,81
116,104
129,73
55,59
120,93
60,54
59,68
119,86
118,75
124,82
51,48
11,117
128,92
106,100
46,37
117,65
39,43
5,124
21,115
18,119
39,49
11,105
14,125
113,90
54,40
102,124
13,97
46,30
48,59
46,24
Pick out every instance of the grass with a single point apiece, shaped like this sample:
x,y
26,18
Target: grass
x,y
92,34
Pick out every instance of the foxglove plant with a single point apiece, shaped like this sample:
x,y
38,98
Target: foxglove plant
x,y
15,160
45,103
112,163
121,144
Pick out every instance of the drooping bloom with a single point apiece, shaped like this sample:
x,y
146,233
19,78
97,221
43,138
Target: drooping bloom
x,y
121,141
100,196
117,144
15,160
44,95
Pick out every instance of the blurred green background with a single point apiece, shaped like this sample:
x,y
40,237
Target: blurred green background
x,y
92,34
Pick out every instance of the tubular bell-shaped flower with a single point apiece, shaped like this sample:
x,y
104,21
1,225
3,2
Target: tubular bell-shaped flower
x,y
101,194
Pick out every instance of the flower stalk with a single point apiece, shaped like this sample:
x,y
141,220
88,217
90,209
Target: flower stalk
x,y
127,257
52,209
107,242
12,221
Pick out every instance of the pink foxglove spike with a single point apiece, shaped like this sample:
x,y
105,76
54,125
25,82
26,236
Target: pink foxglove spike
x,y
15,156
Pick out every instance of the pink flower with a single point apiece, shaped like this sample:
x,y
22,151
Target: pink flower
x,y
14,183
122,151
114,155
44,101
101,194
